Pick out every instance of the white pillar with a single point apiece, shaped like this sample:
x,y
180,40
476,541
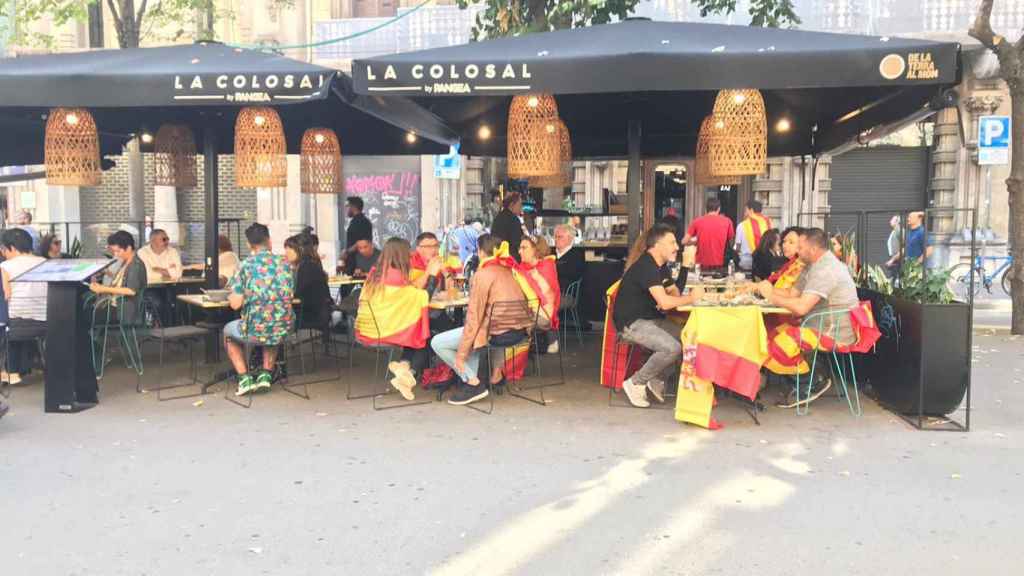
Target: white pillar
x,y
165,212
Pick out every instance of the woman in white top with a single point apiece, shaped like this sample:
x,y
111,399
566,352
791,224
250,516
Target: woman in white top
x,y
26,302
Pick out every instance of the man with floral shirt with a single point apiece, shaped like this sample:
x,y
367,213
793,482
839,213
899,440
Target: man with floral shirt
x,y
262,290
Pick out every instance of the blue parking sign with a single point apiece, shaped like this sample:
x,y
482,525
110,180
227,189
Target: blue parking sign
x,y
993,140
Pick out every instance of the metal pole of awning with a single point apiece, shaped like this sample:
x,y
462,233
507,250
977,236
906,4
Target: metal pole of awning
x,y
212,268
634,200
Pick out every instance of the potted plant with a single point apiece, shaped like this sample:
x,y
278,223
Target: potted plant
x,y
920,364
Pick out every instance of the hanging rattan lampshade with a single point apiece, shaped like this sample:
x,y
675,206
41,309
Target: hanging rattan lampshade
x,y
320,163
565,175
260,149
702,170
533,141
72,148
741,134
175,156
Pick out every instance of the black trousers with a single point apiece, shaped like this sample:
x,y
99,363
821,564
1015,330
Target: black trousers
x,y
21,343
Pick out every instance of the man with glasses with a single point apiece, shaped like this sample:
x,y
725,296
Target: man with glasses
x,y
163,265
163,262
425,262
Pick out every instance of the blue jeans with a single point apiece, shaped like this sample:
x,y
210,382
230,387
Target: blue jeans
x,y
446,346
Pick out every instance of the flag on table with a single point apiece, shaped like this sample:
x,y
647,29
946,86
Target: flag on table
x,y
731,345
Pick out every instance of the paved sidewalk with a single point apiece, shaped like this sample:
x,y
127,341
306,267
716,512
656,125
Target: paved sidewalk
x,y
329,486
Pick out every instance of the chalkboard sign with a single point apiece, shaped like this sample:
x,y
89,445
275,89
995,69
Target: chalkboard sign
x,y
390,189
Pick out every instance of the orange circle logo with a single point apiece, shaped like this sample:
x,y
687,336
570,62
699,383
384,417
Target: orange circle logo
x,y
892,67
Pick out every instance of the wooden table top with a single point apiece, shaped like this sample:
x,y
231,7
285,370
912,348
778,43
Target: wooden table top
x,y
764,309
445,303
184,280
335,281
200,301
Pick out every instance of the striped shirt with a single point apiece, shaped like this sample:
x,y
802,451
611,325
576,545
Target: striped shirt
x,y
28,299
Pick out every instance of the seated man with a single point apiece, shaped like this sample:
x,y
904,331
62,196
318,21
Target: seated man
x,y
262,290
26,303
425,262
645,294
460,348
163,262
570,260
359,263
128,282
825,285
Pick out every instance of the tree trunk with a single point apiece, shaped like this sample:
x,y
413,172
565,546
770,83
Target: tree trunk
x,y
1015,190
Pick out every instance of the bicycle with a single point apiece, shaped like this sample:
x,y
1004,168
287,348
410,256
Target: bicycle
x,y
960,275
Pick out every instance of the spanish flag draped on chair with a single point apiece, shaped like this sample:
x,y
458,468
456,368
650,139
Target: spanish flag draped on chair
x,y
395,314
753,228
546,297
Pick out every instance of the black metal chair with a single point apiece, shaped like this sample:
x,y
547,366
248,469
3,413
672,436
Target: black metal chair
x,y
380,386
188,336
524,313
573,312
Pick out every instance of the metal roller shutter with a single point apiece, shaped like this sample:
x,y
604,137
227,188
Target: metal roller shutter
x,y
894,179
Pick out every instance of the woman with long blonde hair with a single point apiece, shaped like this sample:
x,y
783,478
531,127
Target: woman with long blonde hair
x,y
392,311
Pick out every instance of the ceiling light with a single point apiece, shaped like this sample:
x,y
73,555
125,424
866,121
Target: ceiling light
x,y
146,138
319,138
533,102
72,119
260,120
783,125
739,98
484,133
410,137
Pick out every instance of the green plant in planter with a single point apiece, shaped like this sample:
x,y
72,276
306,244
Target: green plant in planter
x,y
913,284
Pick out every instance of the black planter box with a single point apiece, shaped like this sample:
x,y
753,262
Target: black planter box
x,y
922,346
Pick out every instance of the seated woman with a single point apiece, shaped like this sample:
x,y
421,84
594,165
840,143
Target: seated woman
x,y
227,260
768,256
310,282
50,247
394,312
461,348
786,276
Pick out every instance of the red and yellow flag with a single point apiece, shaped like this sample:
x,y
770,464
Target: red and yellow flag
x,y
752,228
399,316
613,359
732,344
789,342
787,276
539,283
418,266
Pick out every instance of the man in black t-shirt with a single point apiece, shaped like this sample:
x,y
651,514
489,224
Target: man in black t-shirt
x,y
645,292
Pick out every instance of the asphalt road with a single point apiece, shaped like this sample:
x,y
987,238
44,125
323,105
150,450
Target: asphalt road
x,y
329,486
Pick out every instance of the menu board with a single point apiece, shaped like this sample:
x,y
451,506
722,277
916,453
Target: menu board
x,y
65,270
391,191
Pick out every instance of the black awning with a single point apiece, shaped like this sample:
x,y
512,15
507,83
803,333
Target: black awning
x,y
831,87
202,85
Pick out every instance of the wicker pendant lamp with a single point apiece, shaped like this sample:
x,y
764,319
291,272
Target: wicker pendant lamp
x,y
320,162
702,170
260,149
72,148
174,156
741,134
565,175
533,141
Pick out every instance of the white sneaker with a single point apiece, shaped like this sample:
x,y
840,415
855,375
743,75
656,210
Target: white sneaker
x,y
404,387
553,347
636,393
657,389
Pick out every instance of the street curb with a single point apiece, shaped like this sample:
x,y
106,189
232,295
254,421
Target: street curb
x,y
991,330
999,305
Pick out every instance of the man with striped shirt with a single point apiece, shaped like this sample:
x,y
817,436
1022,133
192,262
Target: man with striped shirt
x,y
749,232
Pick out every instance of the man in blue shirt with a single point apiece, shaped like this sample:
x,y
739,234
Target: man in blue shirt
x,y
917,240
